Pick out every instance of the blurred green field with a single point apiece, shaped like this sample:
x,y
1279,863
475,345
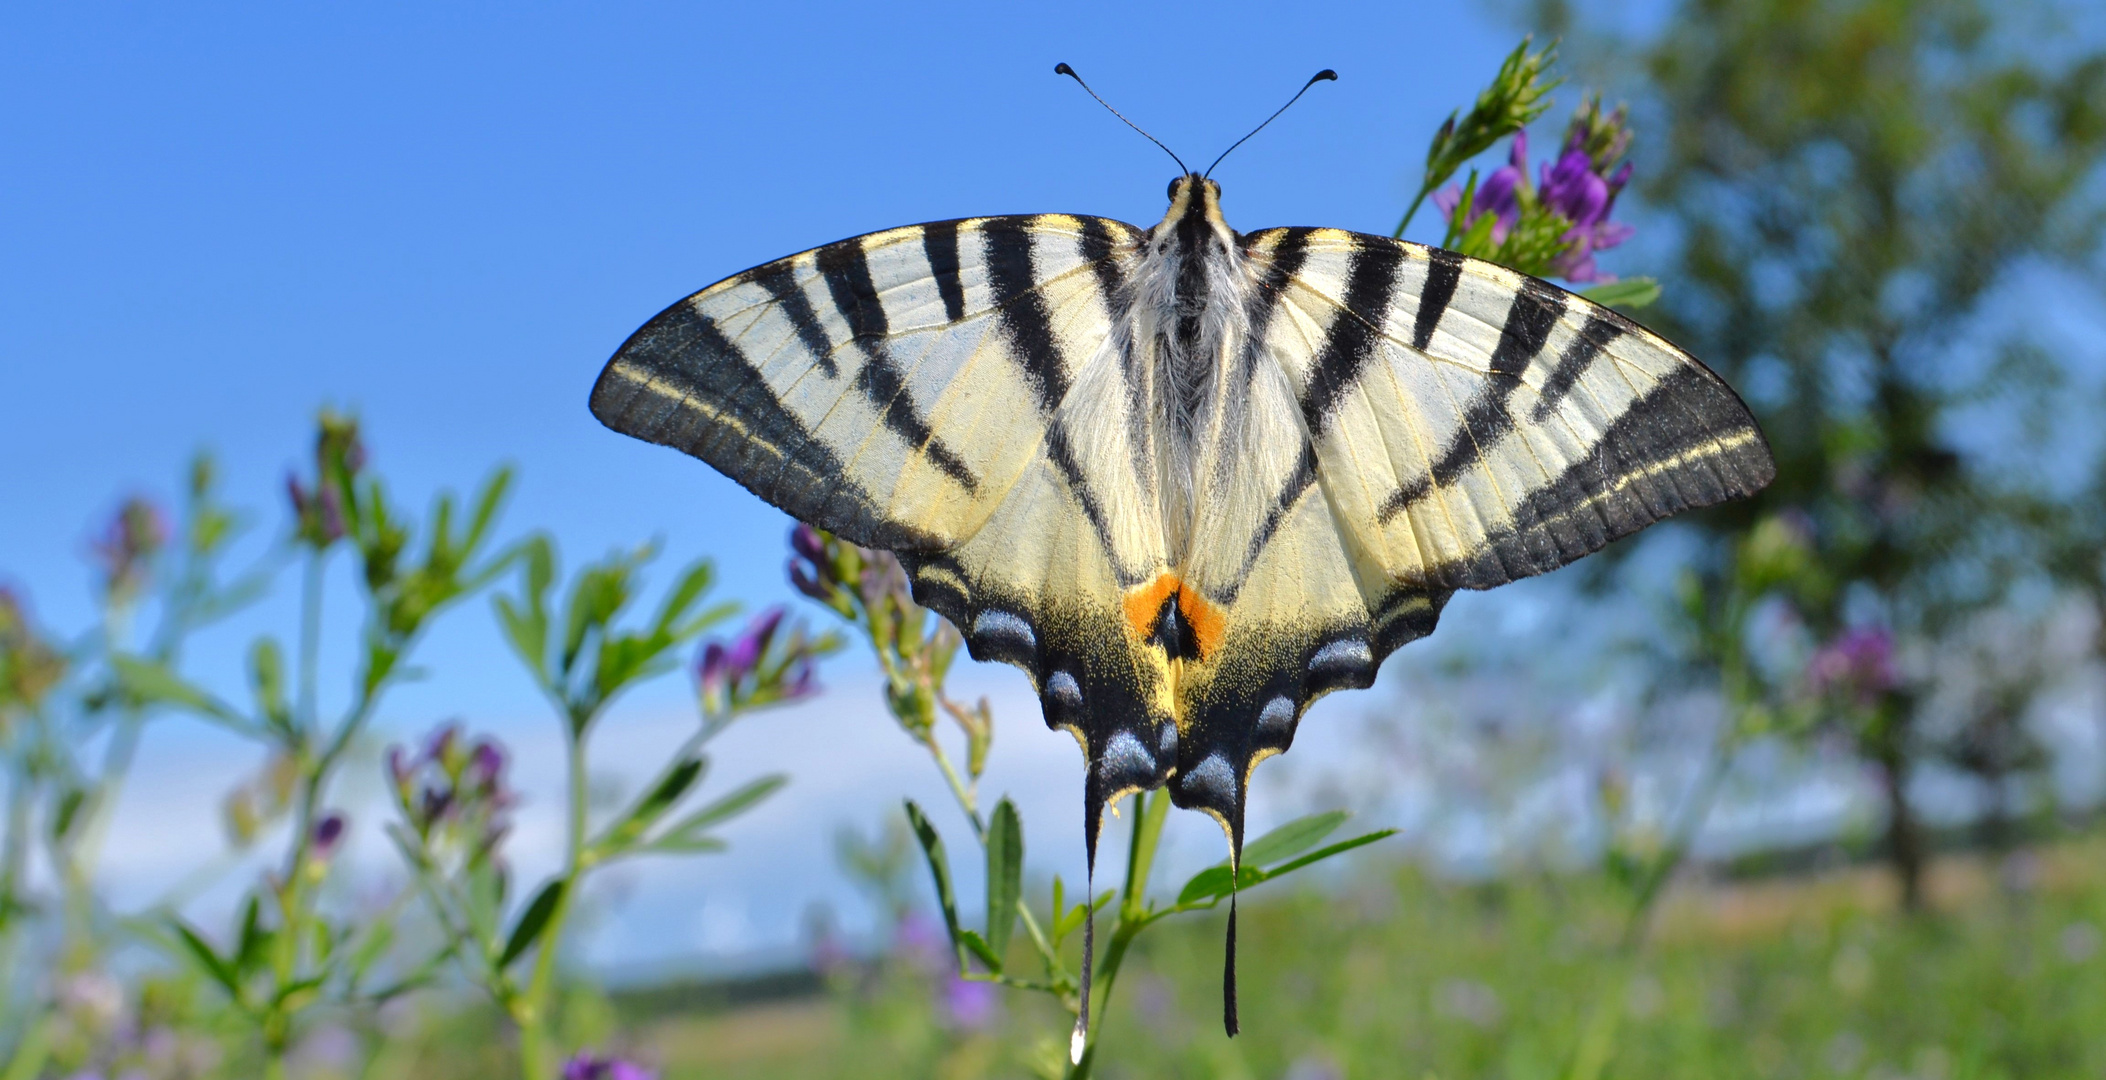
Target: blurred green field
x,y
1405,976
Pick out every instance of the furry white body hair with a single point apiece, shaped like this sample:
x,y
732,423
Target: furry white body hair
x,y
1189,303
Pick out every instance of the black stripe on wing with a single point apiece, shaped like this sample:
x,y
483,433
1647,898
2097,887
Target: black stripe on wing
x,y
1687,443
1486,418
845,268
1371,278
681,359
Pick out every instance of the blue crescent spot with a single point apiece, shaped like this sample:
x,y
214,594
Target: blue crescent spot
x,y
1278,717
1215,779
1001,626
1063,689
1166,743
1349,653
1124,756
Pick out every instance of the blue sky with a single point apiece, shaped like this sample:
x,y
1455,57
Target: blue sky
x,y
215,219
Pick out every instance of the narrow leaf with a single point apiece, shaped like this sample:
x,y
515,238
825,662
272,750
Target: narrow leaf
x,y
1292,839
728,807
486,504
694,581
267,677
1628,293
1005,875
1212,883
673,784
531,923
1320,855
204,958
939,868
253,937
153,682
979,947
683,845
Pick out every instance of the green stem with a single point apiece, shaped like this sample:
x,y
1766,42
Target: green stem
x,y
536,1059
1416,200
310,641
967,800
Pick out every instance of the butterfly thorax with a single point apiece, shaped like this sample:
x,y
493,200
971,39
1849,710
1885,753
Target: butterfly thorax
x,y
1188,313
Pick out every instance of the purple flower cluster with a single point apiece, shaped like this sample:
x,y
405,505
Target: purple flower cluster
x,y
454,789
318,510
590,1066
1857,666
813,568
760,666
1579,188
125,550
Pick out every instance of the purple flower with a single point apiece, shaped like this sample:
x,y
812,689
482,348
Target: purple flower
x,y
968,1004
714,670
745,653
328,833
453,789
1579,189
1499,194
812,566
589,1066
318,509
1858,665
760,666
1582,188
134,535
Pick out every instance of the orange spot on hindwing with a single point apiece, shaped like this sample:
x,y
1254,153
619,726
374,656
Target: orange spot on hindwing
x,y
1167,613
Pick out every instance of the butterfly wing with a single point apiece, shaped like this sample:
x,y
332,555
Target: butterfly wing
x,y
950,392
1439,423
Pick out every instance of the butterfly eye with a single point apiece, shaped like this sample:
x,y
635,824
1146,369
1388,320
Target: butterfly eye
x,y
1171,194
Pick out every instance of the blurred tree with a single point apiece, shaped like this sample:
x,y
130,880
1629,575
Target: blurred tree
x,y
1851,183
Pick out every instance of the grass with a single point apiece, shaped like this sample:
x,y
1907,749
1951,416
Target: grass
x,y
1408,977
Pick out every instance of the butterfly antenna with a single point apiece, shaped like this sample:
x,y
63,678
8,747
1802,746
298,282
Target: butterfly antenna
x,y
1326,75
1063,69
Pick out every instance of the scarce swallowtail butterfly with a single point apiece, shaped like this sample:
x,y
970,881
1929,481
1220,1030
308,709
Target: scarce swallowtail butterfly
x,y
1188,479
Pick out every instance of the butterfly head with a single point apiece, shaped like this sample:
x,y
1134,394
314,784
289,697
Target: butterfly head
x,y
1195,209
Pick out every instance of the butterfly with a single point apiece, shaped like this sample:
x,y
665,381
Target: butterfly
x,y
1188,479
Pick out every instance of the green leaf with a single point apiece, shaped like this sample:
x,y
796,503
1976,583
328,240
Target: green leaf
x,y
267,677
152,682
671,786
939,868
1005,876
531,923
486,506
1628,293
728,807
201,955
1321,854
694,581
68,809
254,938
683,845
1292,839
979,947
380,933
1212,883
